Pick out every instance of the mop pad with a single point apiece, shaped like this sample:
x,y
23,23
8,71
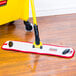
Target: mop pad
x,y
47,49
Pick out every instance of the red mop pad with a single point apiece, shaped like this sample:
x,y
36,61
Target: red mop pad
x,y
47,49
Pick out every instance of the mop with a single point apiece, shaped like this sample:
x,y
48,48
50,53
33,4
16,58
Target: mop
x,y
37,47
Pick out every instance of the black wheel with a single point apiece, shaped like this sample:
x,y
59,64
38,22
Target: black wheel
x,y
12,22
28,26
10,43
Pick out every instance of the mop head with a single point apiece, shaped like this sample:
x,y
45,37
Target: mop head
x,y
47,49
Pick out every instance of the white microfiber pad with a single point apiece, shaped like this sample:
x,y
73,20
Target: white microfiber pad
x,y
47,49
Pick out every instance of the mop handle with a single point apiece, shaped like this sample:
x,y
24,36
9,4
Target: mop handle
x,y
33,12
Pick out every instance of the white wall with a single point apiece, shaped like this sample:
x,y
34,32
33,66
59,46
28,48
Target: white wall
x,y
54,7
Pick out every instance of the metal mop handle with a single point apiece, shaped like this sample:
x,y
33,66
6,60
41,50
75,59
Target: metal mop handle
x,y
33,12
37,43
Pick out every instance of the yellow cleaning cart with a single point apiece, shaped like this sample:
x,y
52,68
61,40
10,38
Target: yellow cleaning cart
x,y
11,10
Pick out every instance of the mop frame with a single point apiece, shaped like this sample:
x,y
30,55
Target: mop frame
x,y
48,49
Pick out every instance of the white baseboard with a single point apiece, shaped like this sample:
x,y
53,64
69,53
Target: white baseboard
x,y
54,12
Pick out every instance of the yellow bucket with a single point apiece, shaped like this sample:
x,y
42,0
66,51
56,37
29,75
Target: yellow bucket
x,y
11,10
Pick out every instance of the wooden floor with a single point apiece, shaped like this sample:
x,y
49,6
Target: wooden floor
x,y
56,30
